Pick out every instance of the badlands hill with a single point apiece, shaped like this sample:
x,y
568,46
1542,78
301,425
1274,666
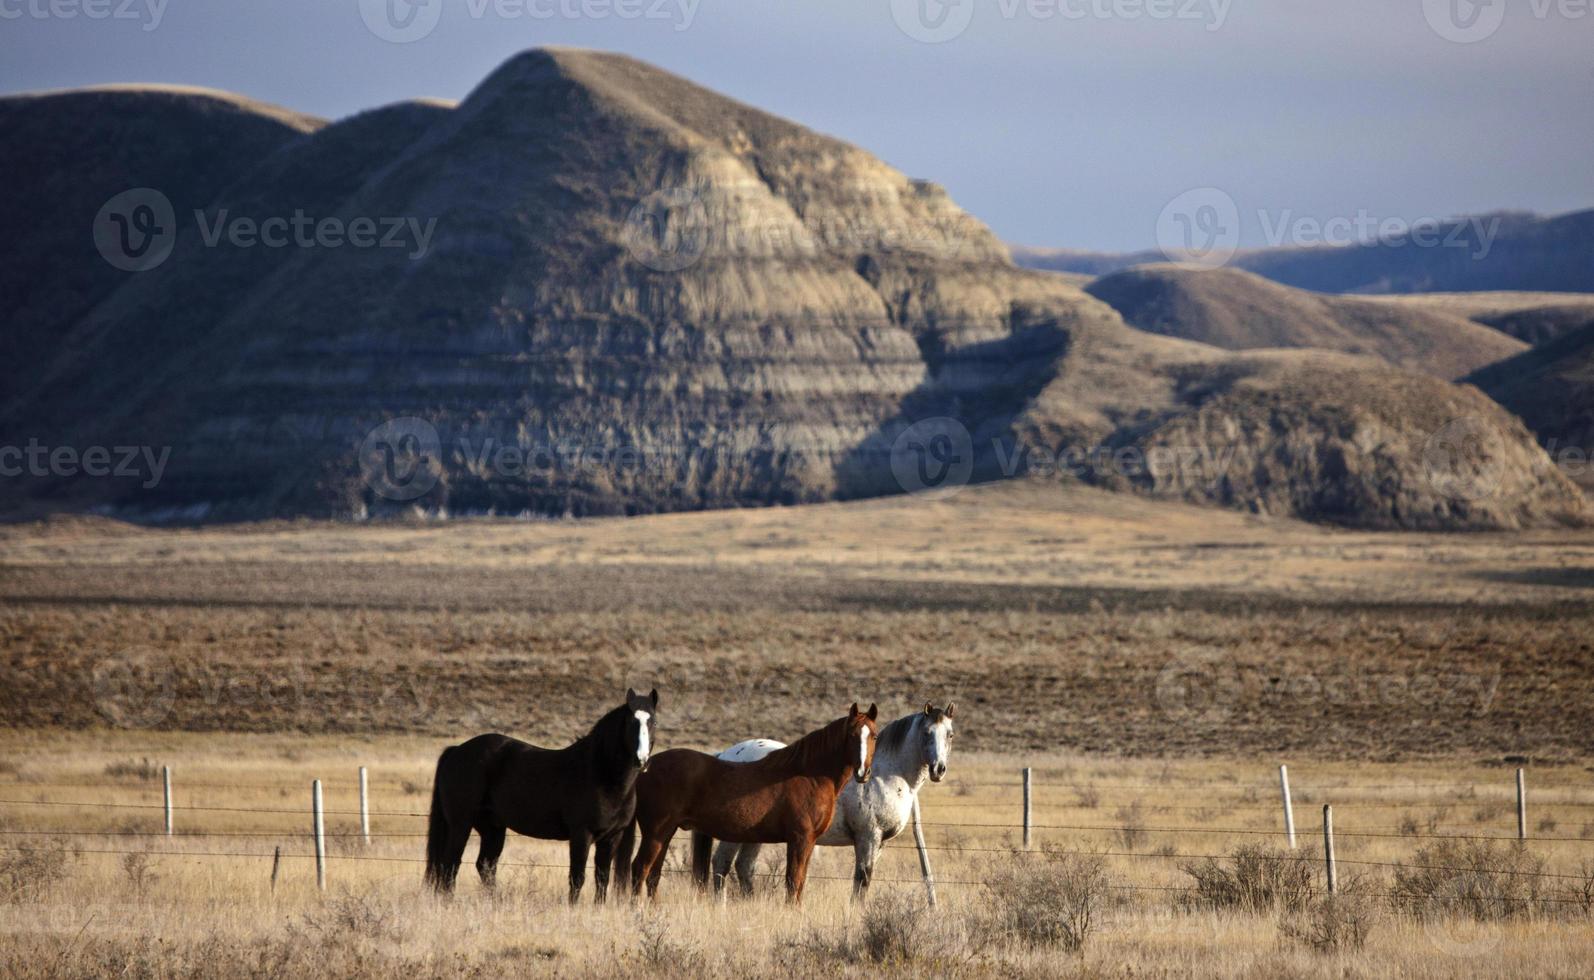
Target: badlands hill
x,y
614,291
65,154
1241,311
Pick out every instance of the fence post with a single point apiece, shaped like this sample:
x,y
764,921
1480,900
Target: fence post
x,y
276,862
1027,806
924,854
1328,847
1522,806
320,835
166,783
1289,809
365,810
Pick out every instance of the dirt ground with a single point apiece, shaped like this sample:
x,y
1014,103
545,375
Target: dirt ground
x,y
1060,618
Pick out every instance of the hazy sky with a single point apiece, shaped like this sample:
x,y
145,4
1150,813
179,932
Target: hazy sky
x,y
1058,122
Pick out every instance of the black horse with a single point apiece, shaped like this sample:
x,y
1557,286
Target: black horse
x,y
585,794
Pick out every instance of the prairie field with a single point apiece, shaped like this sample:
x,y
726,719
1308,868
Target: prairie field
x,y
1152,663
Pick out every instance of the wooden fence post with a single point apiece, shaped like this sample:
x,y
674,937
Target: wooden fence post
x,y
924,854
276,862
320,835
1289,809
1027,807
166,782
365,809
1522,806
1328,847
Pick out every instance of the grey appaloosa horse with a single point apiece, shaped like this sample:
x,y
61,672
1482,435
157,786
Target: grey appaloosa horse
x,y
909,751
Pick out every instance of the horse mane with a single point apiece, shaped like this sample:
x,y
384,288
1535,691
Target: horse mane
x,y
895,734
601,738
801,754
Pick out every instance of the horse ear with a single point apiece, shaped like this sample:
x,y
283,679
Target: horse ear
x,y
874,711
929,707
951,708
852,712
653,696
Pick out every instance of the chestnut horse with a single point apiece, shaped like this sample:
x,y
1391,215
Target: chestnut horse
x,y
788,797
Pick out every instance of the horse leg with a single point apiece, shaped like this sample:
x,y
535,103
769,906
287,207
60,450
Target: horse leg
x,y
724,854
702,844
580,843
649,863
746,866
453,855
602,862
492,845
865,850
798,851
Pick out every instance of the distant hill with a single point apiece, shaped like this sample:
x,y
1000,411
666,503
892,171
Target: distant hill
x,y
618,292
1535,318
1240,311
1523,252
1551,387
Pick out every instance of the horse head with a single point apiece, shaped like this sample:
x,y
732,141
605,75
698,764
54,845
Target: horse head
x,y
862,732
939,731
639,713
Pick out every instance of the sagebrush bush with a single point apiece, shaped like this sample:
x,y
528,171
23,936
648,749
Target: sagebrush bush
x,y
1254,879
892,929
1332,923
31,870
1479,879
1056,902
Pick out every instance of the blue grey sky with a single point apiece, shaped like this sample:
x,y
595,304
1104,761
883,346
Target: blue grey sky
x,y
1059,122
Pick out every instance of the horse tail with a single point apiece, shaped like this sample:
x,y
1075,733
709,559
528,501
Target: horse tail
x,y
437,872
702,847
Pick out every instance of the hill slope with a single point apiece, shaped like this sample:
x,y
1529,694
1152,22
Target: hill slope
x,y
1240,311
65,154
1551,387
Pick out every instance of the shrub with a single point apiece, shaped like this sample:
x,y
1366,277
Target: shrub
x,y
143,770
1132,828
893,929
30,870
1332,923
1479,879
1256,879
1053,903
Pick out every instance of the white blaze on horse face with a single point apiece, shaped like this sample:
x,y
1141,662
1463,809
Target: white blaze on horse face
x,y
862,774
940,732
642,746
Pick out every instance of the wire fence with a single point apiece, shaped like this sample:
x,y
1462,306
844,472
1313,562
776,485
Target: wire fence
x,y
961,800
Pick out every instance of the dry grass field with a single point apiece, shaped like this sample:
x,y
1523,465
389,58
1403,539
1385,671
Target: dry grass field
x,y
1153,663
